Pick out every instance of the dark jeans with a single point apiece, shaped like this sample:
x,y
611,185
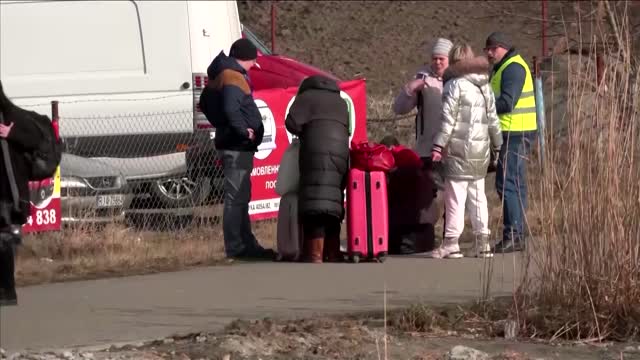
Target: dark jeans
x,y
511,183
238,237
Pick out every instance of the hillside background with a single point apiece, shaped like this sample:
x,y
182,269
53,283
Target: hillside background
x,y
386,41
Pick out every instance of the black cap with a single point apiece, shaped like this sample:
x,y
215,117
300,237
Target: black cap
x,y
243,49
499,39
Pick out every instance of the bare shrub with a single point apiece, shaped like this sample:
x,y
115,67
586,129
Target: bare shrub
x,y
382,121
584,278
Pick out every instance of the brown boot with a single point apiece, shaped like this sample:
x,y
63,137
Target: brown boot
x,y
332,249
314,250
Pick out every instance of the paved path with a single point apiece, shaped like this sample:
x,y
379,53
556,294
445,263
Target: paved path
x,y
88,313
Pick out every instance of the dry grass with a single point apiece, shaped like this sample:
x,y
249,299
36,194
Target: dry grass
x,y
115,250
479,319
584,278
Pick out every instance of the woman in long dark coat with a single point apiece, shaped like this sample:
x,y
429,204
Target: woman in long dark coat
x,y
20,138
320,118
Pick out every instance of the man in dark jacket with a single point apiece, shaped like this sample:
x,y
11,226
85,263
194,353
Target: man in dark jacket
x,y
512,84
18,133
229,106
320,117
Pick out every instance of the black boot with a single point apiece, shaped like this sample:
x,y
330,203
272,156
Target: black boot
x,y
8,294
509,246
8,297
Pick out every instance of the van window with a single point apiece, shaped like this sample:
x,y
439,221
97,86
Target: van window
x,y
70,37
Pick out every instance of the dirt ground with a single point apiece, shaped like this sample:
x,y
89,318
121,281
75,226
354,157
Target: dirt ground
x,y
385,41
361,337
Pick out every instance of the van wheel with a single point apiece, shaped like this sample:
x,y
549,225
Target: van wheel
x,y
181,192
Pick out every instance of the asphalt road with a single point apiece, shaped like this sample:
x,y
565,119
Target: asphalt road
x,y
98,312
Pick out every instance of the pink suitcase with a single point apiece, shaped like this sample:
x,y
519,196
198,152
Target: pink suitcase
x,y
367,216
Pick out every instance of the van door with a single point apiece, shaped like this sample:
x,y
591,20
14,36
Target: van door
x,y
121,71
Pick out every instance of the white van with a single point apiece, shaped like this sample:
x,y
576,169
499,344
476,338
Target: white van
x,y
126,74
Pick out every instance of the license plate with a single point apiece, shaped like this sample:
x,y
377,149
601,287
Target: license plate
x,y
105,201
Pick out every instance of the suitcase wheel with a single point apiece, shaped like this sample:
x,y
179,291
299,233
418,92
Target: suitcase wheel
x,y
355,259
381,258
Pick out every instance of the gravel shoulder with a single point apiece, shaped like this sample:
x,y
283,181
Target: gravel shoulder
x,y
338,338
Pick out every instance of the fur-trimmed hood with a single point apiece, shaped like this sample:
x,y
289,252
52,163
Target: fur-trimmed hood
x,y
475,70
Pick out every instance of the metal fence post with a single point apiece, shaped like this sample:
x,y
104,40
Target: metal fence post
x,y
55,117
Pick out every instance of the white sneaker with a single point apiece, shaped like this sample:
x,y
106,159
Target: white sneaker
x,y
482,248
484,251
445,253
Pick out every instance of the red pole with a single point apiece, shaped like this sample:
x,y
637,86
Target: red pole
x,y
54,118
599,68
544,28
273,27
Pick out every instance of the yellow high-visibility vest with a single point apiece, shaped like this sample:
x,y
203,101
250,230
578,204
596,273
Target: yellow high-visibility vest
x,y
523,115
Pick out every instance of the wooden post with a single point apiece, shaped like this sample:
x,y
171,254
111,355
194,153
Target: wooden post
x,y
544,28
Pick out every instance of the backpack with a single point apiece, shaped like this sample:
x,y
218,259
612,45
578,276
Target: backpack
x,y
45,159
209,103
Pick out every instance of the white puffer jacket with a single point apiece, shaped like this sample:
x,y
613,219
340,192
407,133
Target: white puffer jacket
x,y
470,127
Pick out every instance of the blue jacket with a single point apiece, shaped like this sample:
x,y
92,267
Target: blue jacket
x,y
513,78
228,104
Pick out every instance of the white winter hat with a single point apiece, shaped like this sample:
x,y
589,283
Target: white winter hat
x,y
441,47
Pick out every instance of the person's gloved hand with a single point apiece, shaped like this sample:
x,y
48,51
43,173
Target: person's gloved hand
x,y
494,154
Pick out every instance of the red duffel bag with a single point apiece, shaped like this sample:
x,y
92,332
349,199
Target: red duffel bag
x,y
406,158
368,156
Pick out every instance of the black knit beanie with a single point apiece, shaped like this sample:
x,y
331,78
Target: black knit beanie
x,y
243,49
499,39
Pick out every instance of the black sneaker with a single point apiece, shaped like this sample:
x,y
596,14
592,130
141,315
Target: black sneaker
x,y
257,255
8,297
509,246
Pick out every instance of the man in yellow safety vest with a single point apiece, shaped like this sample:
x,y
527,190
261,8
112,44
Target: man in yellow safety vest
x,y
512,84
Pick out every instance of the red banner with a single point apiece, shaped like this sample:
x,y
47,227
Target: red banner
x,y
45,205
274,105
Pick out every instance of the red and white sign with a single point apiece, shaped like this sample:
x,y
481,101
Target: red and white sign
x,y
274,104
45,205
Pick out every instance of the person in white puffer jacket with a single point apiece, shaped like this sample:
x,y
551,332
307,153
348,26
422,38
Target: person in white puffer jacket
x,y
469,133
